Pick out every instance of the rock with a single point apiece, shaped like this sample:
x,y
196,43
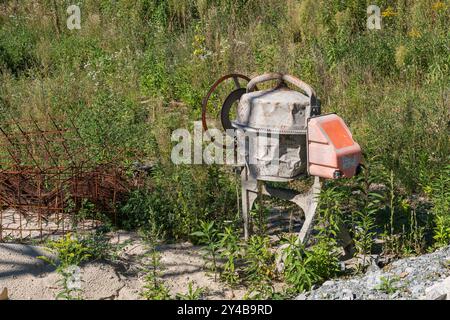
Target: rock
x,y
373,268
394,295
435,295
416,290
409,270
301,296
423,277
325,295
373,280
280,256
360,262
328,283
347,294
439,291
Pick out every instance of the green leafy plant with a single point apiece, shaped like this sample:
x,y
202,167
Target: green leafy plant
x,y
259,215
368,204
439,191
304,268
154,287
209,236
70,253
259,267
191,294
388,285
442,231
99,246
230,250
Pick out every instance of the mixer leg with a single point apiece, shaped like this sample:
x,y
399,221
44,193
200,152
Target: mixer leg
x,y
249,195
309,203
346,241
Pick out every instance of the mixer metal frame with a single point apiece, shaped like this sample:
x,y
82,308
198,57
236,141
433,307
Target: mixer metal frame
x,y
307,201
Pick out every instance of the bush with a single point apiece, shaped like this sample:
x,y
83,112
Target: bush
x,y
17,45
304,268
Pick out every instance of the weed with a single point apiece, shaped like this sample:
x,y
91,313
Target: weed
x,y
70,253
439,191
259,267
209,236
259,214
191,294
368,204
154,287
99,246
442,231
388,285
230,250
304,268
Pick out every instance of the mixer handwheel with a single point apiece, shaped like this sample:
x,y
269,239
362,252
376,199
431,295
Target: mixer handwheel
x,y
228,102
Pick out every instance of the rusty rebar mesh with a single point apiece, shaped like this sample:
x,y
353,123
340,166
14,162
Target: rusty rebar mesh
x,y
49,185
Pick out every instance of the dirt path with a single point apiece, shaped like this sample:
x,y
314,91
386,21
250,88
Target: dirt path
x,y
27,277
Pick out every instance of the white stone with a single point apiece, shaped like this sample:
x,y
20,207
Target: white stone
x,y
373,268
394,295
409,270
328,283
280,256
373,280
416,290
346,294
301,296
439,291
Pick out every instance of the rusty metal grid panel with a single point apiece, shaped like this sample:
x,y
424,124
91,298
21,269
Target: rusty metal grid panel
x,y
46,179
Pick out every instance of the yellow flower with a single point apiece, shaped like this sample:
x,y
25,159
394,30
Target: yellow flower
x,y
428,190
389,12
439,5
405,205
414,33
400,56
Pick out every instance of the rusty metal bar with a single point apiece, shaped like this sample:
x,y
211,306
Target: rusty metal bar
x,y
26,147
46,142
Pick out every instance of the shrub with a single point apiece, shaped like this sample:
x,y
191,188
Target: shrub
x,y
259,267
304,268
209,236
17,44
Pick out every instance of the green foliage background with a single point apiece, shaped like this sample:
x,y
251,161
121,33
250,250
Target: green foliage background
x,y
138,69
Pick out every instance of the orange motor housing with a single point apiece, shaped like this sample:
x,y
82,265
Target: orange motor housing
x,y
332,152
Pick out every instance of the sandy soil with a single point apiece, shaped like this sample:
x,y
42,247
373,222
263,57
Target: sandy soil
x,y
27,277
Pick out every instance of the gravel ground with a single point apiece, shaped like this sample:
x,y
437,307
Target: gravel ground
x,y
423,277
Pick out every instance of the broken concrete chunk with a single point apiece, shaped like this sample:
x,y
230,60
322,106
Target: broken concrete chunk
x,y
439,291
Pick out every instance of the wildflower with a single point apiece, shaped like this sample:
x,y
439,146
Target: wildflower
x,y
199,45
389,12
438,5
414,33
400,56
